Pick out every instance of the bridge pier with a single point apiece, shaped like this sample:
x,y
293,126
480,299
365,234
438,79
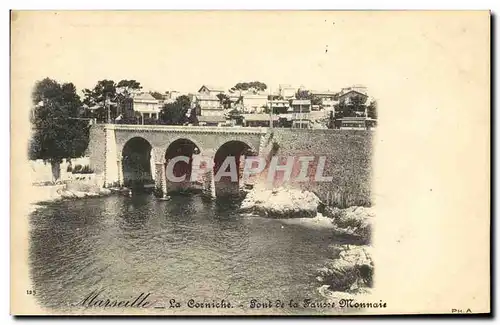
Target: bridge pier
x,y
164,180
121,180
152,166
161,178
209,183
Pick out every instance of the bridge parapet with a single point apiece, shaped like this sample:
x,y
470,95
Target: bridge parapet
x,y
188,129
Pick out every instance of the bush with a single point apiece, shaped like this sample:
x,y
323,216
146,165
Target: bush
x,y
79,169
86,170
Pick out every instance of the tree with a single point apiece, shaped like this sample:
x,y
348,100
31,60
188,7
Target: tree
x,y
235,115
178,112
59,131
372,110
256,85
358,103
105,93
157,95
306,94
224,100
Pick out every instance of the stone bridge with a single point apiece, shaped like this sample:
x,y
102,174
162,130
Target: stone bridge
x,y
126,153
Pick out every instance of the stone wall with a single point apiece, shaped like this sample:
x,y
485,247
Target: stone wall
x,y
96,150
41,171
348,160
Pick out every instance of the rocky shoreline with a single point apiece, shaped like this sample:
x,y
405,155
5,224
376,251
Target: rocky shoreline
x,y
52,193
349,272
281,203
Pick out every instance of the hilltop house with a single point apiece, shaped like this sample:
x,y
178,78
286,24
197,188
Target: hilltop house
x,y
208,102
301,109
145,106
346,96
287,91
254,102
279,106
327,99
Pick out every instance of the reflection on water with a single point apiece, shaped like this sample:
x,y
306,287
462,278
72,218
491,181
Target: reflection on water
x,y
183,248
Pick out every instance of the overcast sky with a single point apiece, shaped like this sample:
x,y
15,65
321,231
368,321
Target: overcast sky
x,y
183,50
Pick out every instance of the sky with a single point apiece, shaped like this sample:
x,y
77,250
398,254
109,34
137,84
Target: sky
x,y
184,50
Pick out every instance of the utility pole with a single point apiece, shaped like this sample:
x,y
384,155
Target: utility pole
x,y
300,114
270,108
106,104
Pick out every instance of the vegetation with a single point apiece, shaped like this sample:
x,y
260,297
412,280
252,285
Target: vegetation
x,y
107,92
306,94
236,116
79,169
355,107
179,112
157,95
256,85
224,100
59,130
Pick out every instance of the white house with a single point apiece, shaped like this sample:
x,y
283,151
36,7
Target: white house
x,y
208,101
254,103
146,106
287,91
301,109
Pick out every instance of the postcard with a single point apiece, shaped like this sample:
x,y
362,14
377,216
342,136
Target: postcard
x,y
250,162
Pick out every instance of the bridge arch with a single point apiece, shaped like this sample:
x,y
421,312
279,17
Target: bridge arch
x,y
136,162
233,152
180,147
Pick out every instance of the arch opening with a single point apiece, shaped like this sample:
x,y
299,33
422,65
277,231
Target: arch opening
x,y
136,163
185,148
230,155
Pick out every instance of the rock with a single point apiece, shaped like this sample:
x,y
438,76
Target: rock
x,y
281,203
79,194
356,222
67,194
104,191
351,271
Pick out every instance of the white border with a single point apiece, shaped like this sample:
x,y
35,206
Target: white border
x,y
493,5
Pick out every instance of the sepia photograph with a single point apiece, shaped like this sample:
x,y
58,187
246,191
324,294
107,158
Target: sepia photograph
x,y
237,163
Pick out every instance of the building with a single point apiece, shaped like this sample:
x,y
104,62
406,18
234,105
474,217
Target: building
x,y
359,88
172,94
279,106
145,106
210,90
259,119
301,109
236,100
356,123
347,96
208,102
287,91
254,103
211,120
328,99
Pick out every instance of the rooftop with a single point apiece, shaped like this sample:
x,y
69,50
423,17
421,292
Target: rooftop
x,y
352,90
145,97
211,88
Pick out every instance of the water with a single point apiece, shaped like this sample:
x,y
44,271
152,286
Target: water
x,y
180,249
